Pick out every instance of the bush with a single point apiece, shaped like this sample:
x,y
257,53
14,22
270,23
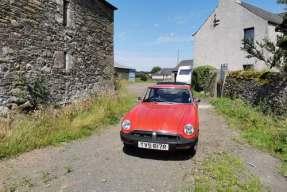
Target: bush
x,y
258,76
143,77
39,91
202,77
35,90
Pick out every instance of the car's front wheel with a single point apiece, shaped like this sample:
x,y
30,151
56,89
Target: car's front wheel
x,y
193,149
128,147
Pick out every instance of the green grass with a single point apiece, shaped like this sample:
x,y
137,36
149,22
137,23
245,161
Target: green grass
x,y
199,95
263,131
224,172
54,126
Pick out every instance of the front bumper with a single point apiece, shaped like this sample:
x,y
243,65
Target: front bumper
x,y
175,142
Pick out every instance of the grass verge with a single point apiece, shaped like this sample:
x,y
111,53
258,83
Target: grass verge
x,y
261,130
224,172
53,126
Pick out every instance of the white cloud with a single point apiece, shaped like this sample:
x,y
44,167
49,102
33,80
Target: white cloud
x,y
173,38
156,25
143,62
180,20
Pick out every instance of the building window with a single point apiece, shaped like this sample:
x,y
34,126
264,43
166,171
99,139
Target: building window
x,y
249,34
66,13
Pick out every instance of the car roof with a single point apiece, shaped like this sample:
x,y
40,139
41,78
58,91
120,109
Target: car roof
x,y
171,86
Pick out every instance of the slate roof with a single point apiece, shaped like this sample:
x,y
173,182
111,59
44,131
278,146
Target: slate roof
x,y
119,66
266,15
165,71
109,5
183,63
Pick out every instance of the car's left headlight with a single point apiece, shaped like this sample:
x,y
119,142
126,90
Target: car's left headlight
x,y
126,124
188,129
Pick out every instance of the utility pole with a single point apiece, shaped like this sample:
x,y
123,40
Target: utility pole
x,y
178,52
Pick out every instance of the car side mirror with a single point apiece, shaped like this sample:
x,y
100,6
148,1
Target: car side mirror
x,y
139,99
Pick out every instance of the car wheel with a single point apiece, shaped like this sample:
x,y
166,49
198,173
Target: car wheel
x,y
128,147
193,149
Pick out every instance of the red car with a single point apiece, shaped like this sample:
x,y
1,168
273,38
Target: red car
x,y
166,119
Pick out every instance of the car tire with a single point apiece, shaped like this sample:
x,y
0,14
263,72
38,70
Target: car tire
x,y
192,151
128,147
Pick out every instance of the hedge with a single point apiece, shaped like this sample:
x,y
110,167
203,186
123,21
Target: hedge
x,y
202,77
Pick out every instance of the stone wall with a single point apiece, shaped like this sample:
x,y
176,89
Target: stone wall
x,y
267,90
75,59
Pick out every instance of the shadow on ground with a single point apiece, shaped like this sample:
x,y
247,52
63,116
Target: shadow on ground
x,y
159,155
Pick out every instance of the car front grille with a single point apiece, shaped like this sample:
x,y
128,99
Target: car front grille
x,y
159,137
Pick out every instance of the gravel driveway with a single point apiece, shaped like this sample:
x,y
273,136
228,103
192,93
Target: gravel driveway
x,y
99,163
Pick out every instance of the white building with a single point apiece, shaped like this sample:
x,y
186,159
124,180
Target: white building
x,y
219,40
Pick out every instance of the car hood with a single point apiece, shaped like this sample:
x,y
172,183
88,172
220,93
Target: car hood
x,y
159,117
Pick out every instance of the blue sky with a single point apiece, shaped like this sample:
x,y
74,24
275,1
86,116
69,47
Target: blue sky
x,y
150,32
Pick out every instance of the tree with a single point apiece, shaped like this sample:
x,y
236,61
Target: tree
x,y
155,69
273,54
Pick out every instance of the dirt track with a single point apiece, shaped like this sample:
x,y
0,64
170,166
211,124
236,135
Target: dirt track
x,y
99,163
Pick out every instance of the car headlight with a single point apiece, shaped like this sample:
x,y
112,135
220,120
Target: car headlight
x,y
126,124
188,129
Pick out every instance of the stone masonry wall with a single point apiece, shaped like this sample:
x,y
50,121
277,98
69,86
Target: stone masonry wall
x,y
75,60
267,90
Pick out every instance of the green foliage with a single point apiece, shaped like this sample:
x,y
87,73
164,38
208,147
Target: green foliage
x,y
199,95
277,56
36,90
225,172
143,77
155,69
54,126
264,131
201,77
39,91
259,76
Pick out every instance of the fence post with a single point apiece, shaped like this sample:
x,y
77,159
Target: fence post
x,y
223,73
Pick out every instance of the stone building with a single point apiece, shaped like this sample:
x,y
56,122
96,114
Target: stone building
x,y
69,43
219,40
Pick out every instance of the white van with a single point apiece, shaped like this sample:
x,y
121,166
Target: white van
x,y
184,74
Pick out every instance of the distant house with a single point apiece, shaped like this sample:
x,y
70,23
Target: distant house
x,y
218,41
124,72
165,74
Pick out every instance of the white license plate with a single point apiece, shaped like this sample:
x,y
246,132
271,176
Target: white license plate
x,y
155,146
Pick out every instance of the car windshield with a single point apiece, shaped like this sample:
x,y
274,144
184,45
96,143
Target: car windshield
x,y
168,95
